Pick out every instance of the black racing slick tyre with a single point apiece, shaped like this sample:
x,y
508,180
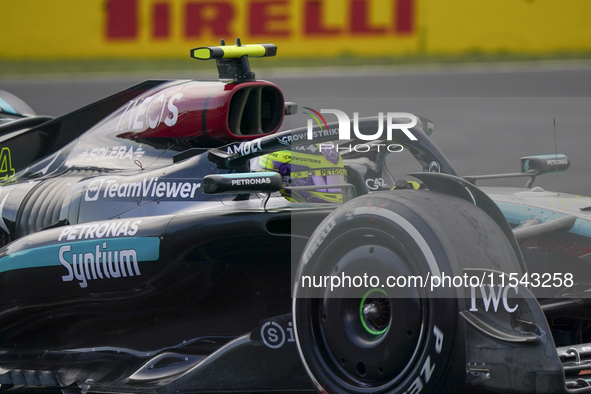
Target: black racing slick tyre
x,y
392,339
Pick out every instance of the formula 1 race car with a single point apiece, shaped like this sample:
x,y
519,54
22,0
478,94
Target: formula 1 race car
x,y
170,239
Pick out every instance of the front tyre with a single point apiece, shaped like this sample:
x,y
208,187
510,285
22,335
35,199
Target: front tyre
x,y
397,335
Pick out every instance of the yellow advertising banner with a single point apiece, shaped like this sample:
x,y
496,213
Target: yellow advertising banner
x,y
169,28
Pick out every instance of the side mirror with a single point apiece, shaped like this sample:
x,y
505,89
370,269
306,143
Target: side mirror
x,y
238,183
531,166
544,164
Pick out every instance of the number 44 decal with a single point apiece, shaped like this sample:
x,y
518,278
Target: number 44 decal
x,y
6,169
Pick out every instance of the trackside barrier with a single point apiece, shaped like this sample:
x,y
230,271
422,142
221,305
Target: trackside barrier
x,y
167,28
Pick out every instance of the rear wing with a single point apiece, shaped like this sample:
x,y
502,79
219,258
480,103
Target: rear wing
x,y
12,106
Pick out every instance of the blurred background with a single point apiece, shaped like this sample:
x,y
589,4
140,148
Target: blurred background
x,y
492,75
324,32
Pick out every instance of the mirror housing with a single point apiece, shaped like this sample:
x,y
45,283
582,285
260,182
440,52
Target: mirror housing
x,y
544,164
238,183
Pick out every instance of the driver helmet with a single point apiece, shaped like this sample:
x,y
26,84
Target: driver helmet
x,y
307,166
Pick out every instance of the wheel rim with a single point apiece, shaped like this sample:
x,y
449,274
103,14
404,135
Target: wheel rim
x,y
372,341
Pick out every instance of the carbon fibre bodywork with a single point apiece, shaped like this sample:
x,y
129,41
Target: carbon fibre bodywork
x,y
119,272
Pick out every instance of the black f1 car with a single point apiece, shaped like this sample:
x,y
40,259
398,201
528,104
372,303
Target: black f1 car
x,y
169,239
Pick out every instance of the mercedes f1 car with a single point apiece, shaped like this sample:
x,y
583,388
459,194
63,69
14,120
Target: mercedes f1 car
x,y
170,239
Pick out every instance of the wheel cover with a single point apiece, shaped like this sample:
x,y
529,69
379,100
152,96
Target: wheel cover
x,y
374,340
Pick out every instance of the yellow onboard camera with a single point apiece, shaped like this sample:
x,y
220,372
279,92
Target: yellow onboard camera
x,y
232,61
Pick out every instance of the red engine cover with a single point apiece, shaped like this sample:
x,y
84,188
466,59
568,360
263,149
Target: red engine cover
x,y
214,113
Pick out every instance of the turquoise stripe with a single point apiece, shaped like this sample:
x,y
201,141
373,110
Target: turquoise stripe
x,y
584,227
7,107
147,249
515,214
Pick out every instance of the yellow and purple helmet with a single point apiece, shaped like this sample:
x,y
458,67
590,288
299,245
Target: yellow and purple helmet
x,y
307,166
